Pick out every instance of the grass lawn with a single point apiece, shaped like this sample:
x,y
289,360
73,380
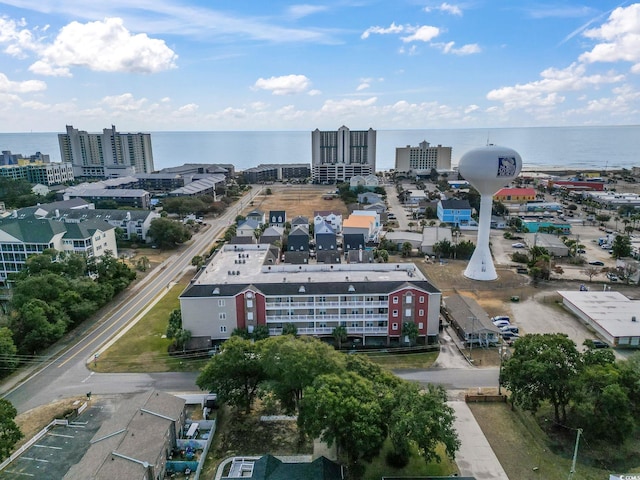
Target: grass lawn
x,y
416,466
143,348
527,453
408,361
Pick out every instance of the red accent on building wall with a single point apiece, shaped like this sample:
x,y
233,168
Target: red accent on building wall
x,y
261,309
416,306
240,313
597,186
392,319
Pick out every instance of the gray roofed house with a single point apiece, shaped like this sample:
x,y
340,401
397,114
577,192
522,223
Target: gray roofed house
x,y
277,218
299,220
326,244
269,467
247,228
353,241
258,215
470,321
32,236
203,186
297,245
135,442
272,235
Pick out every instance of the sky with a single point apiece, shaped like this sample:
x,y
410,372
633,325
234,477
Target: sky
x,y
154,65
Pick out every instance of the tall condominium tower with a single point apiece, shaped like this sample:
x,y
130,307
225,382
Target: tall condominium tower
x,y
338,156
106,154
420,160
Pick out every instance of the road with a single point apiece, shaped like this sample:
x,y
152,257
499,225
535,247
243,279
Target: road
x,y
66,373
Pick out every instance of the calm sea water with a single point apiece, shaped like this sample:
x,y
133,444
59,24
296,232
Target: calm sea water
x,y
602,148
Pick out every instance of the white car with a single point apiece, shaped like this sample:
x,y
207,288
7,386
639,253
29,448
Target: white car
x,y
518,245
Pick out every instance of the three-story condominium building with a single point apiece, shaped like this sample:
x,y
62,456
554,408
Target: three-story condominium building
x,y
106,154
336,156
244,286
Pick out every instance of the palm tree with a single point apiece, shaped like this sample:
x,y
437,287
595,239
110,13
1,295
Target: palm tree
x,y
340,335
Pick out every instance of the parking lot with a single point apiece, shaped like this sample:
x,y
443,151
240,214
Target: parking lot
x,y
59,449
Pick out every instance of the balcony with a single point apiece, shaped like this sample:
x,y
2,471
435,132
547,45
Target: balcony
x,y
332,304
335,318
329,331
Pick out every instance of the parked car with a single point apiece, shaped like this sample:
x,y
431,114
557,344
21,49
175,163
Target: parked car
x,y
509,335
597,263
509,328
612,277
500,317
518,245
581,251
598,343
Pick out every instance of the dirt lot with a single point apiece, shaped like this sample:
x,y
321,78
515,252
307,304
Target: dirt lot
x,y
297,200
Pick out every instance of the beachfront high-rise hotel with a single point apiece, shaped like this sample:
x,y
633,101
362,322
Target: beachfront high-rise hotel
x,y
107,154
336,156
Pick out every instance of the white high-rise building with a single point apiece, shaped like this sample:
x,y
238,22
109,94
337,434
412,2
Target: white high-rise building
x,y
106,154
336,156
420,160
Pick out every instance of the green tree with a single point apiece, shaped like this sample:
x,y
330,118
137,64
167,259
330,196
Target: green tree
x,y
168,233
234,374
175,323
339,334
621,246
410,331
406,249
143,263
344,409
8,355
9,431
290,329
422,418
291,364
197,261
543,367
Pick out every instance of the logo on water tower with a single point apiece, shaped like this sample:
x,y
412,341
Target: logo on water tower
x,y
506,167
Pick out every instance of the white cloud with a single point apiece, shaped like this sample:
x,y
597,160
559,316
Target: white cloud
x,y
125,102
304,10
545,92
393,28
412,50
620,35
424,33
314,92
284,85
347,106
471,108
105,46
468,49
188,108
7,86
363,86
446,8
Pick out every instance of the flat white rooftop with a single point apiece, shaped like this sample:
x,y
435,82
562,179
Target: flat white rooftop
x,y
611,310
248,264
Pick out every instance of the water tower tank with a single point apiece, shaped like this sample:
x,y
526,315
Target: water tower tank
x,y
487,169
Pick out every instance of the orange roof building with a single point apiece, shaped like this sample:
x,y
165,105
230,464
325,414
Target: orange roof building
x,y
515,195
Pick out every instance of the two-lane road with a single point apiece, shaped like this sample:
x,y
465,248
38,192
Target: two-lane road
x,y
66,374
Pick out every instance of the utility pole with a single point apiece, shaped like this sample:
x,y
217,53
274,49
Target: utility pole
x,y
473,327
500,371
575,455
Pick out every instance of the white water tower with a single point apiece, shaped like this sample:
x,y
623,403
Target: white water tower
x,y
488,169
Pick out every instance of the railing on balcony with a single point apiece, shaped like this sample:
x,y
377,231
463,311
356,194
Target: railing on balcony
x,y
329,331
364,303
374,317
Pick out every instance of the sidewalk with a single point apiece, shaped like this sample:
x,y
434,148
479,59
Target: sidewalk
x,y
475,457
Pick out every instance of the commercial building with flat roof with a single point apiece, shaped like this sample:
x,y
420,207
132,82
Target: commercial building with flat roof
x,y
613,316
245,286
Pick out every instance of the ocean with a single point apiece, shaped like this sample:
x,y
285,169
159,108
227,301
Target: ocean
x,y
573,148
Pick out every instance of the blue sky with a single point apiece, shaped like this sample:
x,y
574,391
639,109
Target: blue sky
x,y
149,65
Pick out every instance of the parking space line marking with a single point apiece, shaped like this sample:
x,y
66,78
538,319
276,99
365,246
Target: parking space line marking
x,y
47,446
20,473
61,435
35,459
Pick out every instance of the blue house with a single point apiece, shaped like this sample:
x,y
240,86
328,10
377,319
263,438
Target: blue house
x,y
455,212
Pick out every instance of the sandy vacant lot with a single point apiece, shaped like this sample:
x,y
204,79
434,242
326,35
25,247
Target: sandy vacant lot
x,y
297,200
